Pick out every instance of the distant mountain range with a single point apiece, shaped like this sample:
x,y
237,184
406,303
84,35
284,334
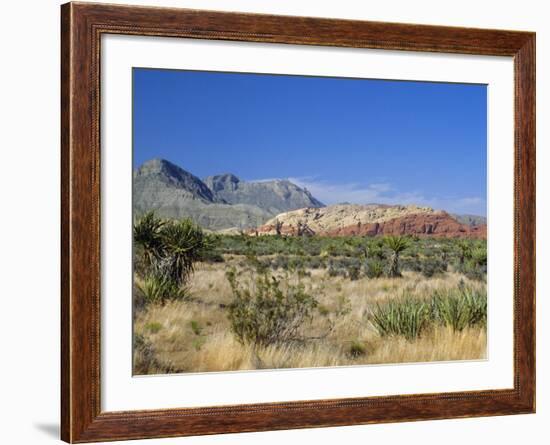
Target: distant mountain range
x,y
226,203
217,202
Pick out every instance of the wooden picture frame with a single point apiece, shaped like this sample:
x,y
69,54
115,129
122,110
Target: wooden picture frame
x,y
82,26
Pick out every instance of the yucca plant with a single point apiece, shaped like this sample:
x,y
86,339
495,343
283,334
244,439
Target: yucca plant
x,y
183,243
405,316
147,237
460,308
464,250
397,244
159,289
479,256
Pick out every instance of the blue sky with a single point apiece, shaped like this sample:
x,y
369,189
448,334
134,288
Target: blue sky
x,y
354,140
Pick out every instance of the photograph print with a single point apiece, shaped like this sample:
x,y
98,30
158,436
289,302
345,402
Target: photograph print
x,y
304,221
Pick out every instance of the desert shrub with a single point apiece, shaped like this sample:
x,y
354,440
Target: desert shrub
x,y
153,327
432,266
460,308
374,249
198,343
195,327
476,273
374,269
472,270
412,264
315,262
267,311
211,256
405,317
354,272
145,359
260,266
356,349
334,271
323,310
280,262
159,289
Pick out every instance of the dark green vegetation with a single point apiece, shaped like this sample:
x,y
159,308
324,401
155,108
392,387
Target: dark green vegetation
x,y
166,251
356,257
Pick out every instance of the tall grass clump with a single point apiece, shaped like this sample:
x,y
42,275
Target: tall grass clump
x,y
266,311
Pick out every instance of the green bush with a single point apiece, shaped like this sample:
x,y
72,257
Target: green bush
x,y
266,311
354,272
195,327
431,266
357,349
375,269
472,270
153,327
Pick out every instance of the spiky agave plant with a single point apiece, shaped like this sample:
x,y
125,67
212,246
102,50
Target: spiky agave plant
x,y
183,243
147,237
405,316
397,244
479,256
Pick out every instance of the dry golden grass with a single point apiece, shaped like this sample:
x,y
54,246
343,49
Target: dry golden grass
x,y
195,335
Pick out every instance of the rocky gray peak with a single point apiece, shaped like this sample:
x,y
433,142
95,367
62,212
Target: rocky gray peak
x,y
226,181
274,196
163,171
470,220
219,202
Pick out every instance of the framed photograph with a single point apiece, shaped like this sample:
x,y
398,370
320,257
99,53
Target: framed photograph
x,y
274,222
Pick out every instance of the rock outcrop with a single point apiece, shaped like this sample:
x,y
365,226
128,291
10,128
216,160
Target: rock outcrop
x,y
372,220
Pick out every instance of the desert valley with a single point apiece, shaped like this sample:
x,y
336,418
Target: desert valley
x,y
240,275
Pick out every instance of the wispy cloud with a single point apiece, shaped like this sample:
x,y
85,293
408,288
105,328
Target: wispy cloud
x,y
385,193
